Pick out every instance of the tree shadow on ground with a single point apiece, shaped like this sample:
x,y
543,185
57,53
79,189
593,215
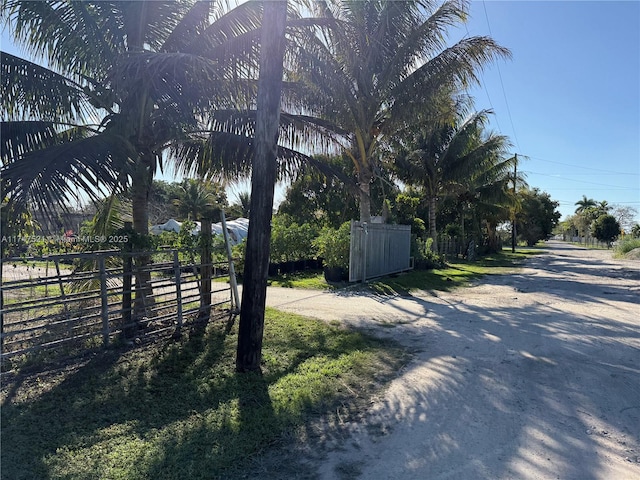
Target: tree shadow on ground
x,y
510,390
169,410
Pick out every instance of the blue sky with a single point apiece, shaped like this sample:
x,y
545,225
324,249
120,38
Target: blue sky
x,y
569,99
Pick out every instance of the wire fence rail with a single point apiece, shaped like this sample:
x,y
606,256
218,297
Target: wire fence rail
x,y
77,301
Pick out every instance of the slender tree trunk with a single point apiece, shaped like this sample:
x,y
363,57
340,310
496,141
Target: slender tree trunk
x,y
433,233
263,179
364,185
492,236
141,189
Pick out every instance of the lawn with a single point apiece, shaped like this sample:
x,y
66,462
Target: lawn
x,y
457,273
177,410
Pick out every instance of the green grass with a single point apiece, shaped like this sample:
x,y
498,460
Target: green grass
x,y
179,410
626,245
456,274
311,279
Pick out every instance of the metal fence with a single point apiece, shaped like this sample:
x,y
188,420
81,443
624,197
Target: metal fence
x,y
84,300
456,247
589,242
378,249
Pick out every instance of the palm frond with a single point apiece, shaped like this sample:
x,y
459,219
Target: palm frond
x,y
231,34
227,156
18,138
69,36
54,176
111,215
418,43
29,90
175,81
192,24
454,67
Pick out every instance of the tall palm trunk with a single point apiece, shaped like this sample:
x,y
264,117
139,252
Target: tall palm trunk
x,y
141,189
364,185
263,179
492,236
433,233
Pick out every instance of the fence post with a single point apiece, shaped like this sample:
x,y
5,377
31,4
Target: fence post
x,y
127,283
235,297
62,294
365,240
176,270
205,268
104,310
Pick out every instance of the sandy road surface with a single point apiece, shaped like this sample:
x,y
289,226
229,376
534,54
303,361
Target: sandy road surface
x,y
534,375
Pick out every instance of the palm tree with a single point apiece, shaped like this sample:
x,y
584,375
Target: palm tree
x,y
242,207
197,197
376,67
489,196
126,80
446,159
603,207
584,204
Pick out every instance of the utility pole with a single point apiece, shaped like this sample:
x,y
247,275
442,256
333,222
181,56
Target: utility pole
x,y
513,217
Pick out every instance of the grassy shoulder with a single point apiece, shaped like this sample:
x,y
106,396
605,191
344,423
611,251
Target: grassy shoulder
x,y
179,410
456,273
626,247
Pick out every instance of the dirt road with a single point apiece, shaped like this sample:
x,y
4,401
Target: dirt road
x,y
534,375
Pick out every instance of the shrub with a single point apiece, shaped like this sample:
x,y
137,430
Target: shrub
x,y
238,253
418,227
626,245
290,241
423,257
606,228
333,246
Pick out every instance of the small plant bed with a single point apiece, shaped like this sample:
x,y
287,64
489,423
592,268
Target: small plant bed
x,y
178,410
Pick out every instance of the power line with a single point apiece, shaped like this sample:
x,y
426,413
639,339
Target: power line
x,y
616,187
602,174
582,166
568,202
504,93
